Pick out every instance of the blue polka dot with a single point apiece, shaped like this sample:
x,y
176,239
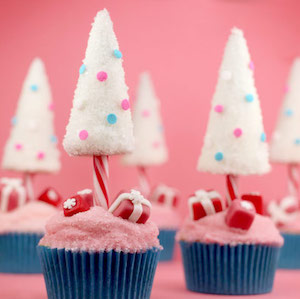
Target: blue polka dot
x,y
118,53
34,87
53,139
288,112
111,118
82,69
297,141
249,97
219,156
13,121
263,137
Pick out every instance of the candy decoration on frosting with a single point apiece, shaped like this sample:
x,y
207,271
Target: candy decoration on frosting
x,y
132,207
284,145
51,196
38,154
12,194
102,88
87,196
240,214
243,153
164,195
204,203
257,200
150,147
75,205
284,211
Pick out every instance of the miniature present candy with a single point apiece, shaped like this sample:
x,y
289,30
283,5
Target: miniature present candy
x,y
12,194
74,205
284,211
240,214
257,200
165,195
204,203
51,196
131,206
87,195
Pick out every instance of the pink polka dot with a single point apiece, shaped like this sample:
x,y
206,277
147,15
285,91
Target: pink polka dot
x,y
102,76
51,106
83,134
18,146
219,108
146,113
156,144
237,132
251,65
125,104
41,155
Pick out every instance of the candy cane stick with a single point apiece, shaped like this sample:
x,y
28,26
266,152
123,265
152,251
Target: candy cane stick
x,y
232,190
293,180
100,178
144,181
28,185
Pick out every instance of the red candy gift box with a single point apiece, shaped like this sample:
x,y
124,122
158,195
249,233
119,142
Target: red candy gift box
x,y
165,195
51,197
12,194
204,203
132,207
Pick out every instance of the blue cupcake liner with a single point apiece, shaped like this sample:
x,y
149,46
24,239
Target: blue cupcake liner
x,y
290,252
229,270
167,241
18,253
98,275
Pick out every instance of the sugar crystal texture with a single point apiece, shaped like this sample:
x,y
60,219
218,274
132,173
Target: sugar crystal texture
x,y
31,146
100,90
224,152
285,145
150,147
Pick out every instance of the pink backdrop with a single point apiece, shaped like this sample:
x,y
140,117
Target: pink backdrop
x,y
181,43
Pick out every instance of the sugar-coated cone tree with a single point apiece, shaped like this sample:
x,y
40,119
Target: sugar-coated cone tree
x,y
100,122
235,140
285,145
32,144
150,146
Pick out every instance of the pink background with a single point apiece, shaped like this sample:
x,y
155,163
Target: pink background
x,y
181,43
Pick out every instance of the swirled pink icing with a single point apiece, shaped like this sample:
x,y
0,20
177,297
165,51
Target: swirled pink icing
x,y
30,218
99,230
165,217
213,229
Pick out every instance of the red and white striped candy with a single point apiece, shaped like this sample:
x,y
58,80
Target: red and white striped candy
x,y
284,211
12,194
165,195
241,214
51,197
204,203
132,207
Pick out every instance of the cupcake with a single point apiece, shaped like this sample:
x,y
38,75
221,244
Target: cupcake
x,y
227,247
20,232
228,260
89,252
164,214
286,216
285,150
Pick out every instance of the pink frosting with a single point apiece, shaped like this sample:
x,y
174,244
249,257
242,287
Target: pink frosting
x,y
292,227
99,230
165,217
31,218
213,229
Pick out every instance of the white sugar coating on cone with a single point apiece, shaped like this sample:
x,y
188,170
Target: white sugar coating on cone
x,y
100,121
150,147
285,145
32,144
235,140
